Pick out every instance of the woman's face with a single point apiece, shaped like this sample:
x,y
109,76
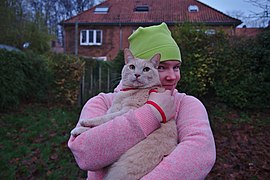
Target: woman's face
x,y
169,74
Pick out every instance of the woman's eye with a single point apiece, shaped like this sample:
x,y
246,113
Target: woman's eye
x,y
161,67
132,67
146,69
176,67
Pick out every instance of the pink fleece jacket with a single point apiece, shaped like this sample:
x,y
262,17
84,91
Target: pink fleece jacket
x,y
98,147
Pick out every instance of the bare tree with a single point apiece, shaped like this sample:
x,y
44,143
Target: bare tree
x,y
52,12
262,17
254,19
83,5
100,1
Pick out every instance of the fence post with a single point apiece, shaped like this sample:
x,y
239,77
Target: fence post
x,y
76,38
91,80
99,77
108,79
82,93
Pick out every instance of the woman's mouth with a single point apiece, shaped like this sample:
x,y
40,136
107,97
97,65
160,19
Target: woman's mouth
x,y
169,87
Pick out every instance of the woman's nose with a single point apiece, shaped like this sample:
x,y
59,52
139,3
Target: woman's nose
x,y
171,75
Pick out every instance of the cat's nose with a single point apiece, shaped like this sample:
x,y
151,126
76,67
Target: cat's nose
x,y
137,75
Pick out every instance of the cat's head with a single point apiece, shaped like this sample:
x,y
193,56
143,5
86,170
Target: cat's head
x,y
140,73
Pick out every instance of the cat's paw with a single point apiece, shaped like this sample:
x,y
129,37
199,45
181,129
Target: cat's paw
x,y
78,130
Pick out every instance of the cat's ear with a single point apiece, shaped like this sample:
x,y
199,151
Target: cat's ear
x,y
128,55
155,60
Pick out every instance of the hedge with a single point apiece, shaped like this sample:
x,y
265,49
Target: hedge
x,y
23,76
51,78
232,70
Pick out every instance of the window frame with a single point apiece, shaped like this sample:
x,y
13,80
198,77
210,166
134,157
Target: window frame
x,y
95,40
101,10
193,8
141,8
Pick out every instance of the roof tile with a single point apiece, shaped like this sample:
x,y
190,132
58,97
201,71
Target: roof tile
x,y
174,11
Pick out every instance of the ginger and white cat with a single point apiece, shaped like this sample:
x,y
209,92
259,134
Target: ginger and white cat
x,y
138,78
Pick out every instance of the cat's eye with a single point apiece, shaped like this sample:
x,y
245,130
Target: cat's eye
x,y
132,67
146,69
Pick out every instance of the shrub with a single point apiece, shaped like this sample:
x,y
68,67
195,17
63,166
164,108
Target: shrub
x,y
244,78
11,78
38,76
23,76
67,71
234,70
200,54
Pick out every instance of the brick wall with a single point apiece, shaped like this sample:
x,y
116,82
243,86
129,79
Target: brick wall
x,y
110,41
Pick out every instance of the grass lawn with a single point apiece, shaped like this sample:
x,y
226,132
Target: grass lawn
x,y
33,144
242,143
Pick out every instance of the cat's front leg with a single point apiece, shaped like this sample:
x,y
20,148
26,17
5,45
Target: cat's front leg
x,y
93,122
78,130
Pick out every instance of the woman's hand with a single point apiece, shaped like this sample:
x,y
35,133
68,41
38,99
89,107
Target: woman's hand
x,y
163,105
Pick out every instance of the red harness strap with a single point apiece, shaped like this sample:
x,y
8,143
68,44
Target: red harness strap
x,y
127,89
152,90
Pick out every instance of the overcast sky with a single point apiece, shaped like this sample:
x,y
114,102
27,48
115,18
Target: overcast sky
x,y
236,8
231,5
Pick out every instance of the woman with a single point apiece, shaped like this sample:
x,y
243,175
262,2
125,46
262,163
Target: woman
x,y
194,156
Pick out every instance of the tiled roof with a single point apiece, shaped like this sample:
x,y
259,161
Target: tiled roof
x,y
170,11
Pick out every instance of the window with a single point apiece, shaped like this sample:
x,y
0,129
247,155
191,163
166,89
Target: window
x,y
83,37
142,8
210,32
101,58
193,8
91,37
101,10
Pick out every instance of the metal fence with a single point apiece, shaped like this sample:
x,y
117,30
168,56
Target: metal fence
x,y
98,77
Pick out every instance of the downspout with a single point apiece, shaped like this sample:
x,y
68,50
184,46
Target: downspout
x,y
120,36
64,39
82,85
76,38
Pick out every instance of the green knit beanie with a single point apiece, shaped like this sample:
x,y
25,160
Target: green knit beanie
x,y
145,42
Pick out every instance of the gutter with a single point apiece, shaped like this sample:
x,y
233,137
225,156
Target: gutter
x,y
151,23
